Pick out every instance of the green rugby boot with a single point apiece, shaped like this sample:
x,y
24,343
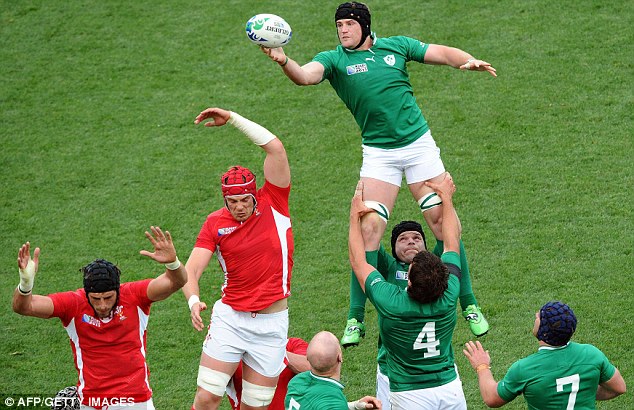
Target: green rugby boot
x,y
478,324
355,330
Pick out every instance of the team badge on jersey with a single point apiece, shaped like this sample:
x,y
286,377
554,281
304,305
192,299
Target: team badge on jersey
x,y
357,68
401,275
226,231
119,313
389,59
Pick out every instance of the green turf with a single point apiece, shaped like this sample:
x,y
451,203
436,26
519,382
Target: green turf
x,y
97,101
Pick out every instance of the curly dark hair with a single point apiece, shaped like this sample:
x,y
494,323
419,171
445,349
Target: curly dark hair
x,y
428,276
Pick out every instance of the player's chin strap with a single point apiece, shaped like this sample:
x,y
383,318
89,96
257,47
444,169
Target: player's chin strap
x,y
256,133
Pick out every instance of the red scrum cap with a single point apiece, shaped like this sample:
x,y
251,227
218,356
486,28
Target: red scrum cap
x,y
238,181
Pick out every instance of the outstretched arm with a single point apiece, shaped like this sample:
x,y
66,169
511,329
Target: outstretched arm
x,y
356,246
196,264
450,223
481,363
175,275
276,168
24,301
456,58
308,74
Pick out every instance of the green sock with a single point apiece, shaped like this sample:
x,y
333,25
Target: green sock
x,y
357,296
466,291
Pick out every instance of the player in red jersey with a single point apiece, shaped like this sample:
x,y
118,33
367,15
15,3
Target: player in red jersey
x,y
106,322
295,362
253,241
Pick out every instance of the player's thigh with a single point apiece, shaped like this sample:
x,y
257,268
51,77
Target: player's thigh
x,y
264,356
380,191
224,341
382,165
421,161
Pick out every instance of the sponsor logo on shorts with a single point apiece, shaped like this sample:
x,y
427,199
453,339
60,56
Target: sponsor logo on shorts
x,y
357,68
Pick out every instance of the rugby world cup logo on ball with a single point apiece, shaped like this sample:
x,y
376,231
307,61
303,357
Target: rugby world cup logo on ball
x,y
268,30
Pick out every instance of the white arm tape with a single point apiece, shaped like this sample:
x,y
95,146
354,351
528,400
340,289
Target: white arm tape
x,y
27,277
192,299
256,133
356,405
173,265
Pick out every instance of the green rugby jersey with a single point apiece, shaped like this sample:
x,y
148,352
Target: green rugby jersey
x,y
374,84
417,337
558,377
395,272
307,391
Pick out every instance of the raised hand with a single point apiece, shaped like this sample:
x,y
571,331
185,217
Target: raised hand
x,y
275,54
164,251
358,207
218,115
444,188
479,65
27,266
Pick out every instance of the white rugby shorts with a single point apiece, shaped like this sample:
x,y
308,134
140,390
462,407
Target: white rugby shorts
x,y
383,389
259,340
447,397
419,161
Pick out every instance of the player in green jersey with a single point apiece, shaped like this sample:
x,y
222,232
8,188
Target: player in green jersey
x,y
407,239
370,76
320,387
416,324
561,375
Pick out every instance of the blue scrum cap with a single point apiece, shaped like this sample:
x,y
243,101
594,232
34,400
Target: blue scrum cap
x,y
557,323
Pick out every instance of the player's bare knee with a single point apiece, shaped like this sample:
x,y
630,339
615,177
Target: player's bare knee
x,y
255,395
212,383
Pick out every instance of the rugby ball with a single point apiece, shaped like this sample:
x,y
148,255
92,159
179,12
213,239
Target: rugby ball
x,y
268,30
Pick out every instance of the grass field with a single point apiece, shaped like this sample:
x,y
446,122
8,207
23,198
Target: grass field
x,y
97,101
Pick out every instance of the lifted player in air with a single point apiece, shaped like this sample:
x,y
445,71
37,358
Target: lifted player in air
x,y
369,74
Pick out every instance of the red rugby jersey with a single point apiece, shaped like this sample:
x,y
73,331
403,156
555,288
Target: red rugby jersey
x,y
109,354
256,255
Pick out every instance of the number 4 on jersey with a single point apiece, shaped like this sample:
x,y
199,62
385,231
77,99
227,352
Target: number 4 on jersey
x,y
428,333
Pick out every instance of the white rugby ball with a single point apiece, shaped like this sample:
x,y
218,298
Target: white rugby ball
x,y
268,30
